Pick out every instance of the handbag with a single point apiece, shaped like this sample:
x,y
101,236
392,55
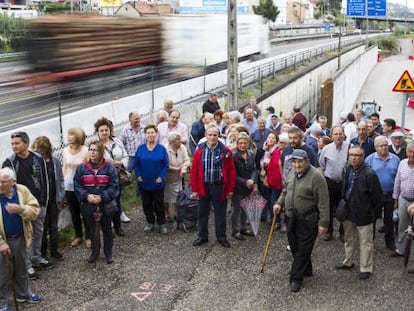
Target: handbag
x,y
342,210
110,208
125,178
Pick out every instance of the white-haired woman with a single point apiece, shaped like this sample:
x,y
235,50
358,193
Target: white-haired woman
x,y
179,162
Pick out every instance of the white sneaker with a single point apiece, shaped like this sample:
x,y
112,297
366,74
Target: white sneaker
x,y
288,248
124,218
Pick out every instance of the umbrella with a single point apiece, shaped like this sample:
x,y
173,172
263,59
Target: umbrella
x,y
410,237
253,206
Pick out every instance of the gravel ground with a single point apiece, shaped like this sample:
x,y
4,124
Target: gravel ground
x,y
155,272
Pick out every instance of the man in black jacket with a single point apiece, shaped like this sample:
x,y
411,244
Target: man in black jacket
x,y
362,191
30,169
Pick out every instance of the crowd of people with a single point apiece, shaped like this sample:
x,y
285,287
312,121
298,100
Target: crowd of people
x,y
303,171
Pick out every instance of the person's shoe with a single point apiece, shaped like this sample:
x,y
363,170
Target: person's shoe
x,y
410,271
283,229
395,253
381,229
364,275
6,308
390,246
88,243
92,258
109,260
238,236
247,233
199,242
124,218
308,273
327,237
56,255
224,243
42,264
163,229
294,286
77,241
288,248
33,298
120,232
33,275
344,267
148,227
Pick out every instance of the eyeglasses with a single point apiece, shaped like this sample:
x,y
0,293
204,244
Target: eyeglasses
x,y
5,181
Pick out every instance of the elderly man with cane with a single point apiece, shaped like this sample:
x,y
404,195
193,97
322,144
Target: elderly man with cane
x,y
18,208
306,202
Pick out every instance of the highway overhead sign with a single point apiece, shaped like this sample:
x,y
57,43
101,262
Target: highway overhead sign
x,y
404,84
358,7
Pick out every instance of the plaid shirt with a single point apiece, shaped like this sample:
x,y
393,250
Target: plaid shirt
x,y
212,164
404,181
132,139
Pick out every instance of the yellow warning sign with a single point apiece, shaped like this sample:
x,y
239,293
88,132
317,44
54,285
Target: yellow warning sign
x,y
405,83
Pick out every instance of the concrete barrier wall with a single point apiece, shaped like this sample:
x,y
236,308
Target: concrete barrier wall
x,y
305,91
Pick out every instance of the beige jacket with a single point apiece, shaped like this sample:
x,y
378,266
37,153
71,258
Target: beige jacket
x,y
30,209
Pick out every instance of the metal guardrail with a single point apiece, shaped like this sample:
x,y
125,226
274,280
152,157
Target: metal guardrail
x,y
11,55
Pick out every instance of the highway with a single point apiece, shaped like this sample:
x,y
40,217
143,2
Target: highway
x,y
20,105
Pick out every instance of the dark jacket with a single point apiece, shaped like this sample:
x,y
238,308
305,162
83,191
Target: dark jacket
x,y
366,195
102,181
244,170
39,175
198,131
211,107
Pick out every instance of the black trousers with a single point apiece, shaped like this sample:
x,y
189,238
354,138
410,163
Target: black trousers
x,y
77,216
334,189
388,222
105,225
153,205
213,194
50,229
302,234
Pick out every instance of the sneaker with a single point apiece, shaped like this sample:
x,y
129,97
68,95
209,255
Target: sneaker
x,y
43,263
6,308
163,229
148,227
33,275
125,218
288,248
56,255
33,298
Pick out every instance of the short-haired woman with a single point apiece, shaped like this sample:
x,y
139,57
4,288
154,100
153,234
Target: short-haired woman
x,y
73,155
151,167
179,161
96,184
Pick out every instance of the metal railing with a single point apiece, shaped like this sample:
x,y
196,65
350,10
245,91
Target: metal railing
x,y
12,55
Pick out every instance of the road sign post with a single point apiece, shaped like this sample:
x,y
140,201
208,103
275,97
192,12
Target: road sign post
x,y
405,84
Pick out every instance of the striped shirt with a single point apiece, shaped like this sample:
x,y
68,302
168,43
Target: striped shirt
x,y
212,164
132,138
404,181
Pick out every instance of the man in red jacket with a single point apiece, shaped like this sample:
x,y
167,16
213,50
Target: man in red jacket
x,y
212,179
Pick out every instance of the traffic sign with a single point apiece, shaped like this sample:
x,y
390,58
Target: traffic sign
x,y
404,84
358,7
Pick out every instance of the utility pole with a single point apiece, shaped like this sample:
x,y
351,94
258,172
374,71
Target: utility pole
x,y
232,58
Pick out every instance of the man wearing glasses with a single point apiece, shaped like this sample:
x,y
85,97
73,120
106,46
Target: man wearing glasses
x,y
30,170
362,191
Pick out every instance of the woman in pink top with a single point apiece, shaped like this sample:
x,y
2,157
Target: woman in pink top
x,y
73,155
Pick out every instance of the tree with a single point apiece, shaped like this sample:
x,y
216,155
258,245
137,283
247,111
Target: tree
x,y
267,9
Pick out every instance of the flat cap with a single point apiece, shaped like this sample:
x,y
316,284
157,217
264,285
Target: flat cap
x,y
299,154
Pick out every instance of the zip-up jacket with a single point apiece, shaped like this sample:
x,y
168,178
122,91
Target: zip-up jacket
x,y
102,181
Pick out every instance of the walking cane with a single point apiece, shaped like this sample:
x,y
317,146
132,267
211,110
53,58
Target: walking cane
x,y
269,240
10,265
